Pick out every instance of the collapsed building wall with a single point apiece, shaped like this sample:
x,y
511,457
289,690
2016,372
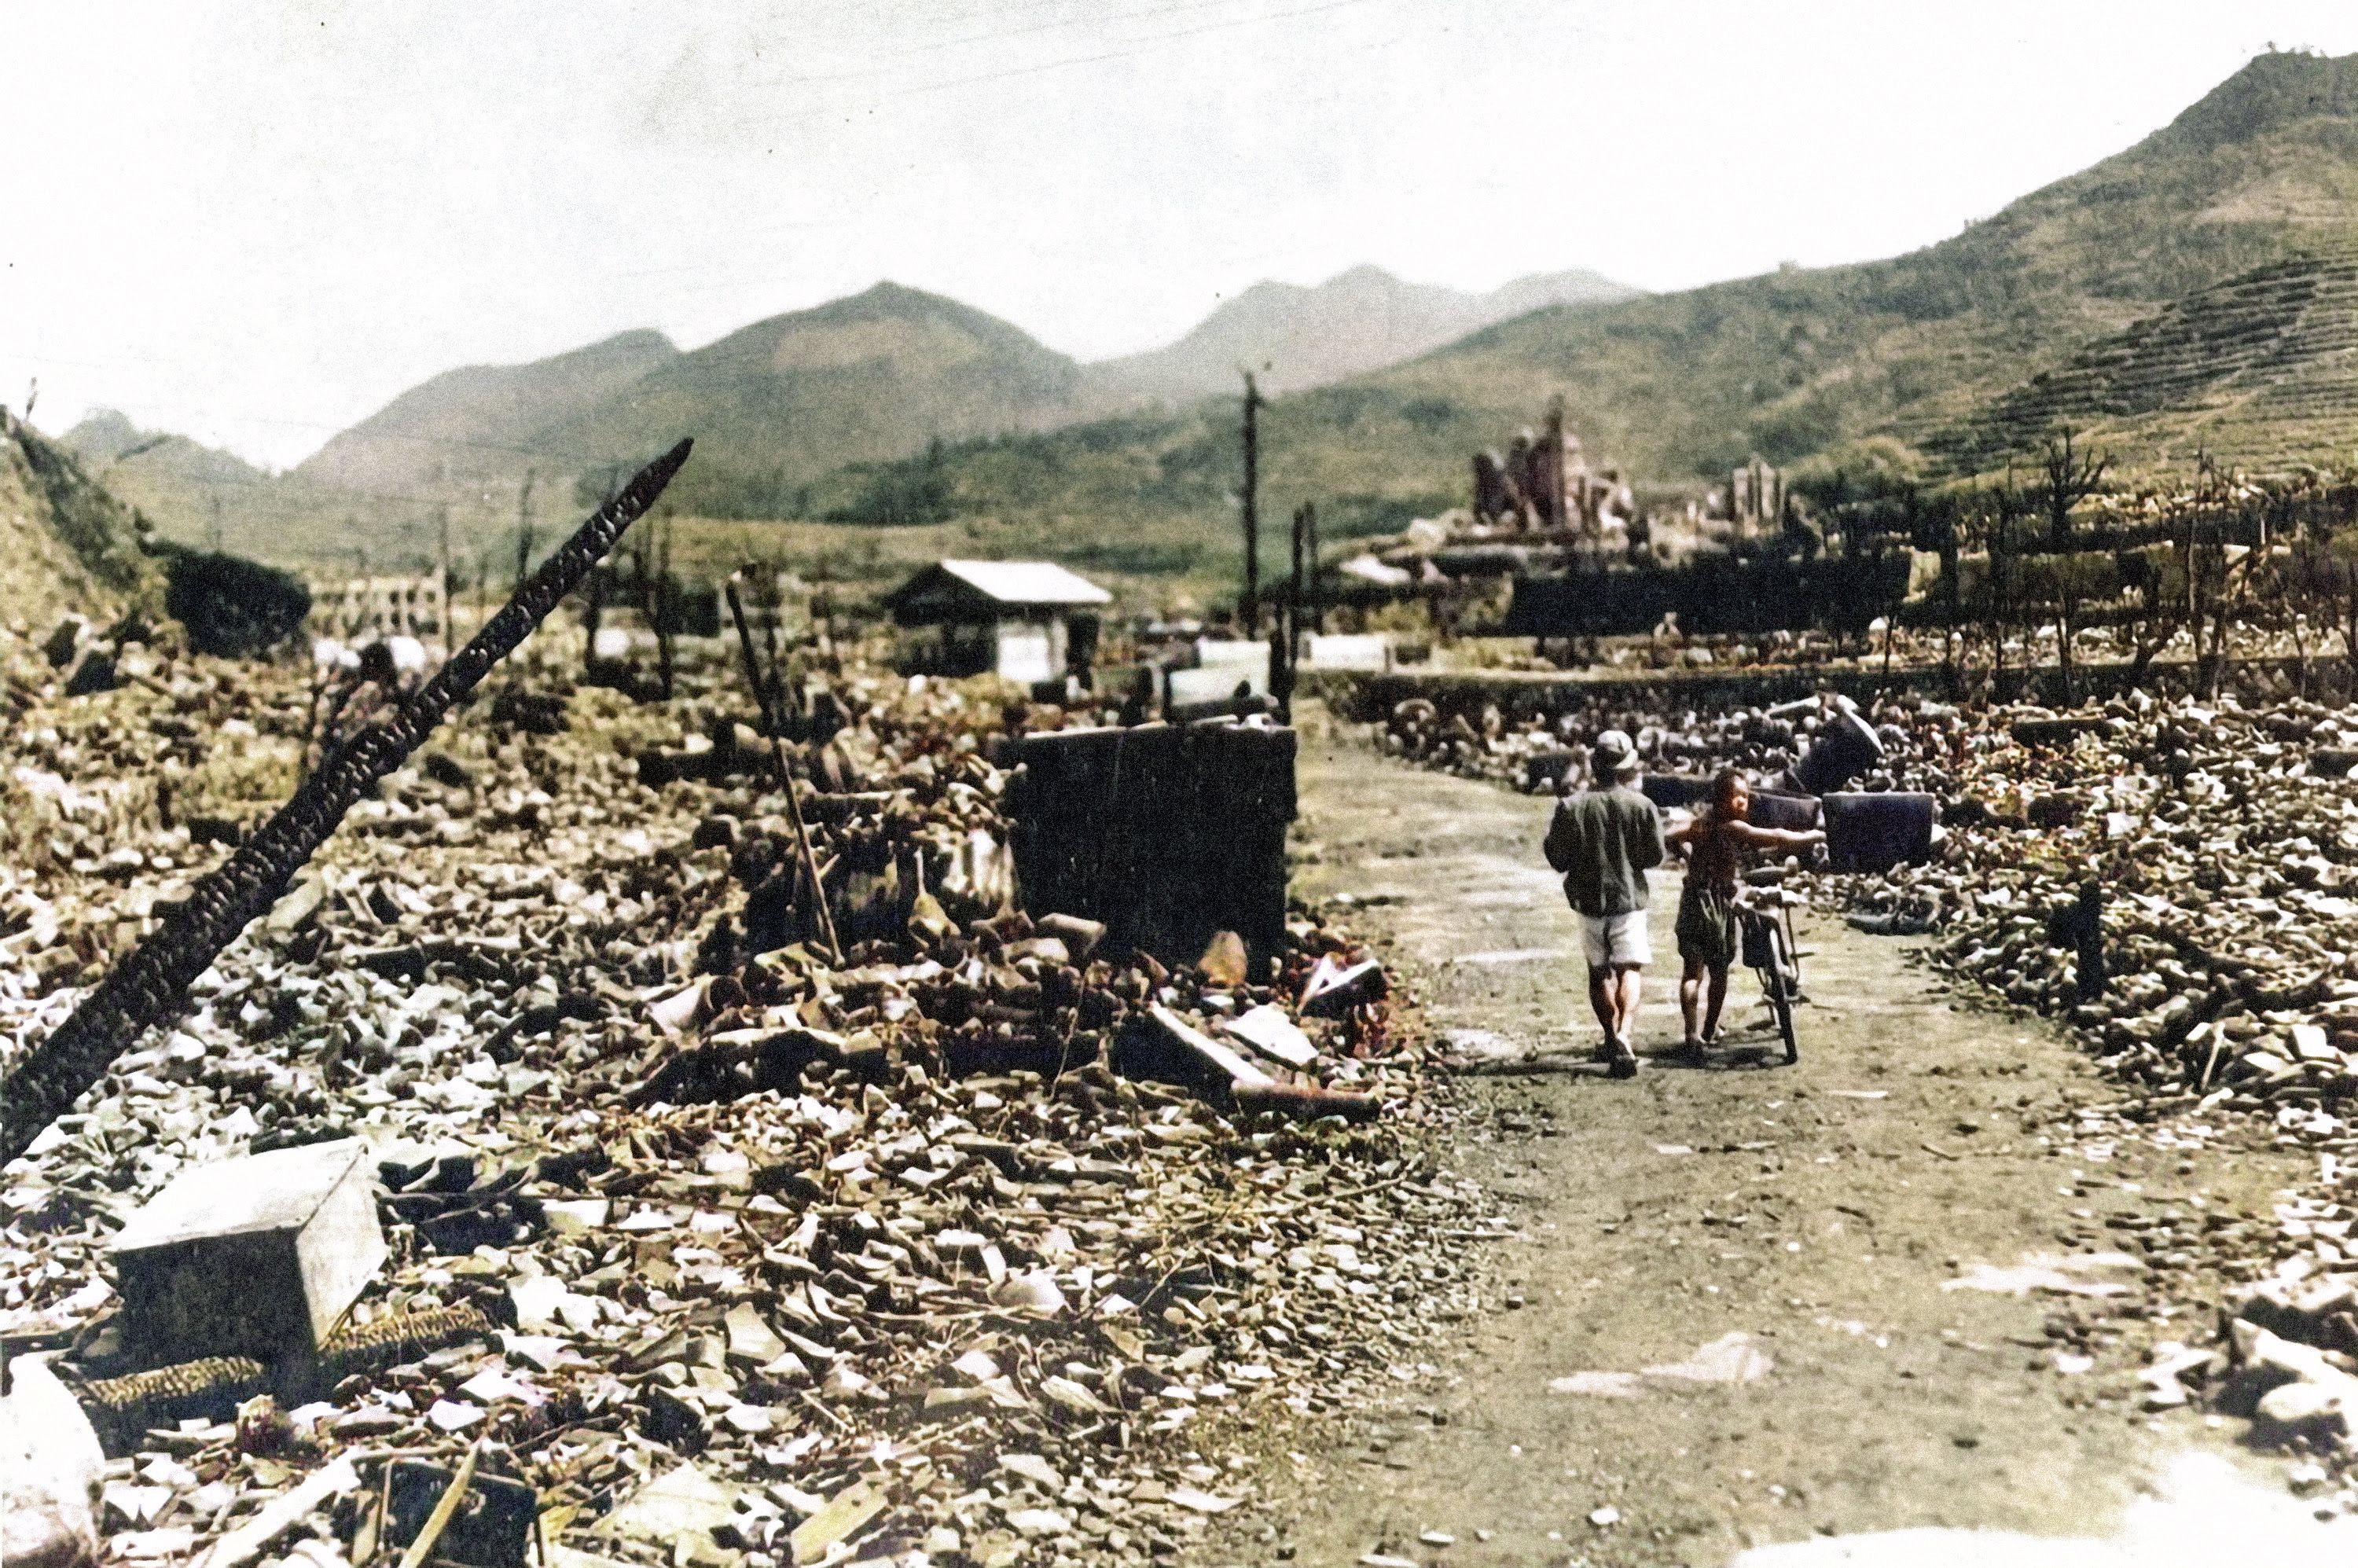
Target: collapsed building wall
x,y
1168,834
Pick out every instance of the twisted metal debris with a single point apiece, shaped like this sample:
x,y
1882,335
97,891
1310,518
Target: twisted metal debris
x,y
146,988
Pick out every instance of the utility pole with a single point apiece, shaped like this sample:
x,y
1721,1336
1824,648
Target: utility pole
x,y
217,526
1288,632
1551,511
524,526
1310,557
1249,608
1293,580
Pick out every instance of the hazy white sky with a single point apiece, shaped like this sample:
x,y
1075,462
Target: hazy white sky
x,y
257,222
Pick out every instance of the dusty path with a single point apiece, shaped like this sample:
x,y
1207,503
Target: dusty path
x,y
1817,1209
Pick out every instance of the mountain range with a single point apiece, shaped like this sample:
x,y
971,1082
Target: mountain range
x,y
1386,388
187,490
777,407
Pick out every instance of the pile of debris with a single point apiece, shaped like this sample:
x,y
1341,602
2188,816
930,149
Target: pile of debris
x,y
2210,845
702,1239
1539,751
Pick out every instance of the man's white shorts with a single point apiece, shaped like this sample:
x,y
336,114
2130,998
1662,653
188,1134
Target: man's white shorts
x,y
1616,941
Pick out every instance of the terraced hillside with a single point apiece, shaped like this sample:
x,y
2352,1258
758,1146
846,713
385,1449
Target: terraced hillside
x,y
2261,370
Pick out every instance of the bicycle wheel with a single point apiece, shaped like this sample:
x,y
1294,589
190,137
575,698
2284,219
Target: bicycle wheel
x,y
1783,981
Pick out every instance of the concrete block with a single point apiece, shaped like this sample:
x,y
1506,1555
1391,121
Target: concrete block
x,y
258,1256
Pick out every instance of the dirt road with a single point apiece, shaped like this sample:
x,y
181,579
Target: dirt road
x,y
1816,1212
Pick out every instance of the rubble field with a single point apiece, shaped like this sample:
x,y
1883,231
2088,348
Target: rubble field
x,y
703,1244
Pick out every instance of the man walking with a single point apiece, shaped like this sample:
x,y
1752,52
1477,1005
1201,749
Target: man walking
x,y
1605,839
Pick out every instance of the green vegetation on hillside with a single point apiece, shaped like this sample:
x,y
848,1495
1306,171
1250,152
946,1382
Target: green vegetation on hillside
x,y
185,489
1677,389
484,426
900,409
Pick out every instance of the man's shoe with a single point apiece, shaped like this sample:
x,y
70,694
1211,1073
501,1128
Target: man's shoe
x,y
1622,1063
1688,1055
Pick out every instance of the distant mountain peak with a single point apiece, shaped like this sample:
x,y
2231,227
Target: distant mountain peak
x,y
886,298
638,340
2271,91
886,292
102,435
1362,318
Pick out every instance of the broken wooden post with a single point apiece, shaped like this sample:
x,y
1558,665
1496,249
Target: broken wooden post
x,y
666,609
148,986
2088,934
785,779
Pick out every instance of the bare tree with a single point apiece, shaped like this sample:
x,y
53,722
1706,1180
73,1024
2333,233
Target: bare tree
x,y
2296,575
2155,609
2067,478
2002,507
2211,575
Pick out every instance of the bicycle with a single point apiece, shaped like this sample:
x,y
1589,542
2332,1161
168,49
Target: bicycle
x,y
1770,952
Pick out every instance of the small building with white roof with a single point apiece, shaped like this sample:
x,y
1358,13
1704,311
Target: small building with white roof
x,y
1024,620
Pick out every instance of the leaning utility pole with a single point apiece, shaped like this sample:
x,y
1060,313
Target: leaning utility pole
x,y
150,986
1249,608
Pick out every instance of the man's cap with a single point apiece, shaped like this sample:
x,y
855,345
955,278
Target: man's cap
x,y
1616,753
